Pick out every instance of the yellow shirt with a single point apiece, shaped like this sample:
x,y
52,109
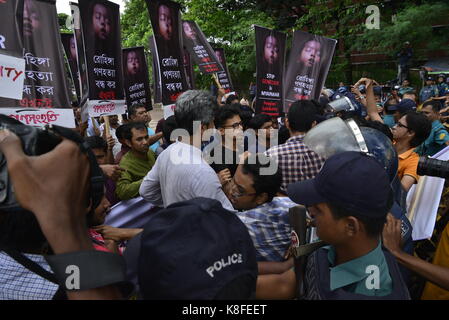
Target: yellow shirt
x,y
408,164
431,291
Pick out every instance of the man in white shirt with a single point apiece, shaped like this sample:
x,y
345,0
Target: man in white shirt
x,y
180,172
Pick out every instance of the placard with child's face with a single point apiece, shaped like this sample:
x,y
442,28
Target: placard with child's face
x,y
309,62
101,32
270,58
137,87
168,49
224,77
100,20
45,96
200,50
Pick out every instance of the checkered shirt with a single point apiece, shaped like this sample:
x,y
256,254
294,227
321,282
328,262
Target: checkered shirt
x,y
269,228
296,161
19,283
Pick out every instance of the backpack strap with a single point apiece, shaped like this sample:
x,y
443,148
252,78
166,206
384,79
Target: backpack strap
x,y
37,269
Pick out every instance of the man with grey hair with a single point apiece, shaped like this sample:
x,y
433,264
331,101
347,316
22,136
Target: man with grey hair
x,y
180,172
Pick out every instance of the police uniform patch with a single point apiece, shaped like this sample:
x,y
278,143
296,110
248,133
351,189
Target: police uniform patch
x,y
441,136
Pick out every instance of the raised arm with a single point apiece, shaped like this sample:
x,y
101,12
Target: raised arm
x,y
392,241
371,107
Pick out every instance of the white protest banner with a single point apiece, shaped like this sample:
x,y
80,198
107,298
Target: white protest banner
x,y
12,75
40,117
423,200
97,108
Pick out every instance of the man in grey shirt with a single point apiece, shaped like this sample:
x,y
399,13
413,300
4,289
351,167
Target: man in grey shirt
x,y
180,172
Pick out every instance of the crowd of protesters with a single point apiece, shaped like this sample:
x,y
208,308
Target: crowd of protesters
x,y
224,180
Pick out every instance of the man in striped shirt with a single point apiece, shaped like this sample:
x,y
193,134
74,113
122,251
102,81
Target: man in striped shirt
x,y
296,161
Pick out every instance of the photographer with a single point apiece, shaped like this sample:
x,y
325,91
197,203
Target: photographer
x,y
65,172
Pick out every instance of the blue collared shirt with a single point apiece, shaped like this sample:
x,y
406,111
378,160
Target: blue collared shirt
x,y
435,142
353,275
389,120
269,228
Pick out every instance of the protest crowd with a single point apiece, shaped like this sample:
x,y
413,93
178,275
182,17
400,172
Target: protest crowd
x,y
294,191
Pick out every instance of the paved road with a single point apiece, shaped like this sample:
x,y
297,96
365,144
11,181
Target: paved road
x,y
156,114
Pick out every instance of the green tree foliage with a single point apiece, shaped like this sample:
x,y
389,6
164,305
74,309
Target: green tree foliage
x,y
136,26
413,24
232,29
227,27
228,23
62,20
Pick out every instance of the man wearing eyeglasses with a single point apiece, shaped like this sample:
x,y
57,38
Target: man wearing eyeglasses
x,y
410,131
255,193
224,157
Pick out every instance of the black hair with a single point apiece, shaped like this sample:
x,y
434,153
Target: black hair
x,y
420,125
264,182
128,134
119,131
230,98
225,113
283,135
133,109
302,114
434,104
373,226
96,142
21,231
246,117
167,128
258,121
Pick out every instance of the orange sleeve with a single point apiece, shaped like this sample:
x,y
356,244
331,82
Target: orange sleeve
x,y
411,166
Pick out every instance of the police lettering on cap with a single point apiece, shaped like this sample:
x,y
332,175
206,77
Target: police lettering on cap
x,y
196,249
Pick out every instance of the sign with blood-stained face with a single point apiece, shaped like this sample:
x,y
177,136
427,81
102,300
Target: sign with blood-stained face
x,y
12,64
11,12
100,21
168,53
45,87
309,62
224,77
137,87
199,49
270,57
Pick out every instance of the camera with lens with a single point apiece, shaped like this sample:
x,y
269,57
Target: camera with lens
x,y
38,141
433,167
362,88
35,141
